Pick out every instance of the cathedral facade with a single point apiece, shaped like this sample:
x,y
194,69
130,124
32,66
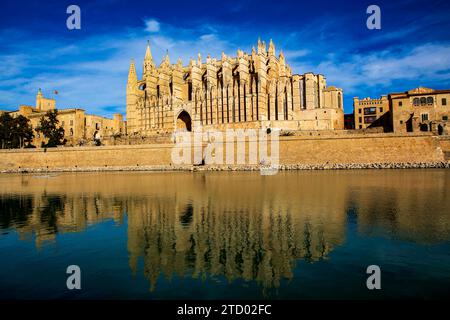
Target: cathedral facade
x,y
256,90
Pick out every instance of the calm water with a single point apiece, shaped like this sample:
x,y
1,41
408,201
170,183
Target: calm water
x,y
226,235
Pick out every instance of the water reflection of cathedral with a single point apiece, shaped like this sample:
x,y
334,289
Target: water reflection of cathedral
x,y
215,226
240,226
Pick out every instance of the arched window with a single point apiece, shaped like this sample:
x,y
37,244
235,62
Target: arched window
x,y
316,96
276,101
245,102
190,90
430,100
196,101
416,101
285,104
423,101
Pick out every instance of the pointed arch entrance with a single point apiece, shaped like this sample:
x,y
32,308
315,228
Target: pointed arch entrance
x,y
184,122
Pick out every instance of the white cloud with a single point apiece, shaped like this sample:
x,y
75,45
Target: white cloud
x,y
294,54
12,65
412,66
152,25
208,37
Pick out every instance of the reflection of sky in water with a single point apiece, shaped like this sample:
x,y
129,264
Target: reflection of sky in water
x,y
221,235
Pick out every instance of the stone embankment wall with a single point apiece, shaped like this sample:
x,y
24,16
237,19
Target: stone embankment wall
x,y
445,146
296,152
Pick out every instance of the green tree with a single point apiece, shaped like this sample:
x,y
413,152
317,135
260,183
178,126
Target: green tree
x,y
6,125
49,127
15,131
22,132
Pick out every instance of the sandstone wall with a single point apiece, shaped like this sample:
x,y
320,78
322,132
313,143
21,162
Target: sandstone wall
x,y
85,157
364,149
445,143
377,148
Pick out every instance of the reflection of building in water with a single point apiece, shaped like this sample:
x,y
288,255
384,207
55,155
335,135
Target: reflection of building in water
x,y
415,204
213,226
193,225
236,226
43,216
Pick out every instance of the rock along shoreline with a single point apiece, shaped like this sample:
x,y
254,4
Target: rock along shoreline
x,y
206,168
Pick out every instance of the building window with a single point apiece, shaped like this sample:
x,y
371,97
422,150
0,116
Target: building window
x,y
97,126
360,126
423,101
424,117
372,110
381,110
430,100
401,121
416,101
360,111
445,118
369,119
444,101
71,122
360,119
399,104
71,131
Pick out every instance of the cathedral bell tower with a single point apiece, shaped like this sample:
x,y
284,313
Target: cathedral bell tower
x,y
131,99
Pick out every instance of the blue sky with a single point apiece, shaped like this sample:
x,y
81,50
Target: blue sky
x,y
89,67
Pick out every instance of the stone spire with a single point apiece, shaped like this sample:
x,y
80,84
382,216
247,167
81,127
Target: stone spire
x,y
261,47
166,60
148,52
282,59
271,48
148,60
132,76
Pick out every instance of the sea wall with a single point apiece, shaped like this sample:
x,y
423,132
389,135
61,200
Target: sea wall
x,y
295,152
366,149
445,143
